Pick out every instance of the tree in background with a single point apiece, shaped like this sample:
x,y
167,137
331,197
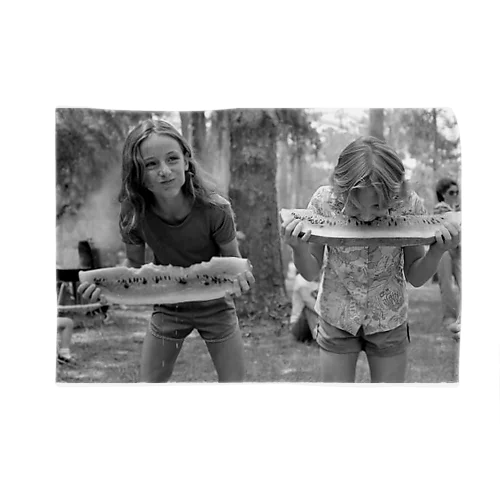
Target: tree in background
x,y
199,141
298,147
337,132
429,135
376,123
185,117
428,139
219,149
305,147
89,145
252,190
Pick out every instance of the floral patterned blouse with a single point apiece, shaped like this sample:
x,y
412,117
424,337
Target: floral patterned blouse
x,y
362,286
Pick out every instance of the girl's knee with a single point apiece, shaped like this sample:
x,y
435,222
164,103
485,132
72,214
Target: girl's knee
x,y
234,376
64,323
156,376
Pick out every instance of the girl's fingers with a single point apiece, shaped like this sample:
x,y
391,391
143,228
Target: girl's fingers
x,y
445,234
244,285
236,288
453,228
286,222
289,228
82,287
455,232
92,293
241,284
306,236
249,277
297,229
442,236
96,296
87,290
448,236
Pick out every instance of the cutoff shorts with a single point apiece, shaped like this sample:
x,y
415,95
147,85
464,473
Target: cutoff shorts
x,y
215,320
383,344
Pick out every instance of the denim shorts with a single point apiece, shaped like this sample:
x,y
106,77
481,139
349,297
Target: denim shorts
x,y
383,344
215,320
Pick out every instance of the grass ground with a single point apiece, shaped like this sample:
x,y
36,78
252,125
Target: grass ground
x,y
107,353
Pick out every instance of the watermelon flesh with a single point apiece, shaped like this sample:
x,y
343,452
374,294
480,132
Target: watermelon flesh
x,y
402,230
152,284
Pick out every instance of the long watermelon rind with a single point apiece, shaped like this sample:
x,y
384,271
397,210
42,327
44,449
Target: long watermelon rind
x,y
403,230
154,284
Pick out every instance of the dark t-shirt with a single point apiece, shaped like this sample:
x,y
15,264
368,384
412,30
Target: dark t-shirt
x,y
196,239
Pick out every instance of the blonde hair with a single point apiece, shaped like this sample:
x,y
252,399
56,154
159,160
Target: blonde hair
x,y
369,162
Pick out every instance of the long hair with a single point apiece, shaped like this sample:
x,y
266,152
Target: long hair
x,y
442,186
133,192
369,162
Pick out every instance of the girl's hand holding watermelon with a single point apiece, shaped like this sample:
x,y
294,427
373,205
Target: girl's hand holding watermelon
x,y
90,292
447,237
242,283
291,229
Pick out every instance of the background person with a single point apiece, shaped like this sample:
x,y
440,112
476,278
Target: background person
x,y
65,327
450,266
304,319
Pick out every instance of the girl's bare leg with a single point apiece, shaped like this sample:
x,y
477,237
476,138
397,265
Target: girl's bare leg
x,y
337,367
65,325
227,357
388,369
158,358
449,300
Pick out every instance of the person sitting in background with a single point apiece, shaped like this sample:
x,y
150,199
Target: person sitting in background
x,y
450,266
303,319
65,326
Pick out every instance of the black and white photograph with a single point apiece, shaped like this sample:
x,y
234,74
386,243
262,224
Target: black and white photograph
x,y
250,250
258,245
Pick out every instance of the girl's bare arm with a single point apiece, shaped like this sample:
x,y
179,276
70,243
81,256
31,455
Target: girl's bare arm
x,y
419,265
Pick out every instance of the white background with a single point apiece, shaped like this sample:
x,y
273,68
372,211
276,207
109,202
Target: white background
x,y
257,440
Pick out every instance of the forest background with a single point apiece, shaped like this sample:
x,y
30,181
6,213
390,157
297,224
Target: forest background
x,y
261,159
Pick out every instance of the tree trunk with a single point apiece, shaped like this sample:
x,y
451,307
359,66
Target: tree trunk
x,y
186,125
253,194
282,175
377,123
292,190
220,149
435,133
299,176
199,126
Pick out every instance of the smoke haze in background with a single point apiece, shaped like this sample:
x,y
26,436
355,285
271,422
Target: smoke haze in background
x,y
96,221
